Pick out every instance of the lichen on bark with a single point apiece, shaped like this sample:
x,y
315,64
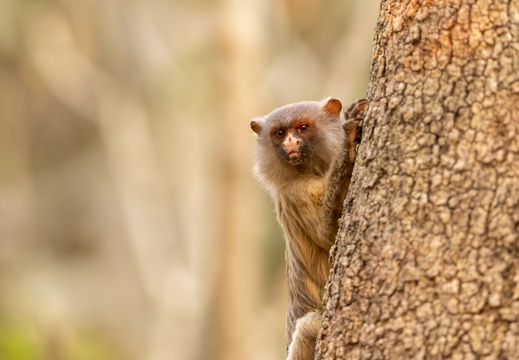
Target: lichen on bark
x,y
426,263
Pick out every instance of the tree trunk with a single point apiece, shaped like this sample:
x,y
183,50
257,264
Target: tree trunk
x,y
426,263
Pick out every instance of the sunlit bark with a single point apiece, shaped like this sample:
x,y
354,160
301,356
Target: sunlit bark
x,y
426,263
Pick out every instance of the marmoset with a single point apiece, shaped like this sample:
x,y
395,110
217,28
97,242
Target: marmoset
x,y
304,157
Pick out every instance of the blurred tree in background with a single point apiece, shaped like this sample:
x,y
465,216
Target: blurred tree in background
x,y
130,225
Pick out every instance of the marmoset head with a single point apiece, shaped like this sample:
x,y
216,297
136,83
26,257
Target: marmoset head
x,y
296,140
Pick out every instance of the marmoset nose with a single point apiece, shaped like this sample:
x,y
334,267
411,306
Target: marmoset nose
x,y
293,139
291,143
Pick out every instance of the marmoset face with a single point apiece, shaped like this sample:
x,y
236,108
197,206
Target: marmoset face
x,y
293,131
297,139
293,142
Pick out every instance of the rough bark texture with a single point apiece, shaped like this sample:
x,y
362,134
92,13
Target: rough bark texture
x,y
427,258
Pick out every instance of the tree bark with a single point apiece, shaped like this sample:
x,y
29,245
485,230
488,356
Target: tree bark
x,y
426,263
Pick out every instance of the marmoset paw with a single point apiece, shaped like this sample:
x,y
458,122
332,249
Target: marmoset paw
x,y
353,131
357,110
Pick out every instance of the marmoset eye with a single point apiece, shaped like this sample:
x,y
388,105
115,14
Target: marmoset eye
x,y
303,128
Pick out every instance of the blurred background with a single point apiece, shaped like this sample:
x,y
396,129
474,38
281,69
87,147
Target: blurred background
x,y
130,224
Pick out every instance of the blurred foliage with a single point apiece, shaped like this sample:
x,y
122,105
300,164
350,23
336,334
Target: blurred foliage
x,y
16,344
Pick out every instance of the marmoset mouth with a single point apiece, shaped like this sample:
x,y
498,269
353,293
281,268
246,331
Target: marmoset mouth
x,y
294,158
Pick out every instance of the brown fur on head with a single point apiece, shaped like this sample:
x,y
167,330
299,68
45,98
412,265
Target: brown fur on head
x,y
296,140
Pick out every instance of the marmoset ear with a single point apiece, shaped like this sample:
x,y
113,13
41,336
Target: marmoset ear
x,y
255,125
333,107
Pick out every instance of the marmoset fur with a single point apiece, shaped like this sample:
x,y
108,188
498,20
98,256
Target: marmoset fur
x,y
304,157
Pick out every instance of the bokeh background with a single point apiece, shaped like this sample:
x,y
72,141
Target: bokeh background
x,y
130,224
